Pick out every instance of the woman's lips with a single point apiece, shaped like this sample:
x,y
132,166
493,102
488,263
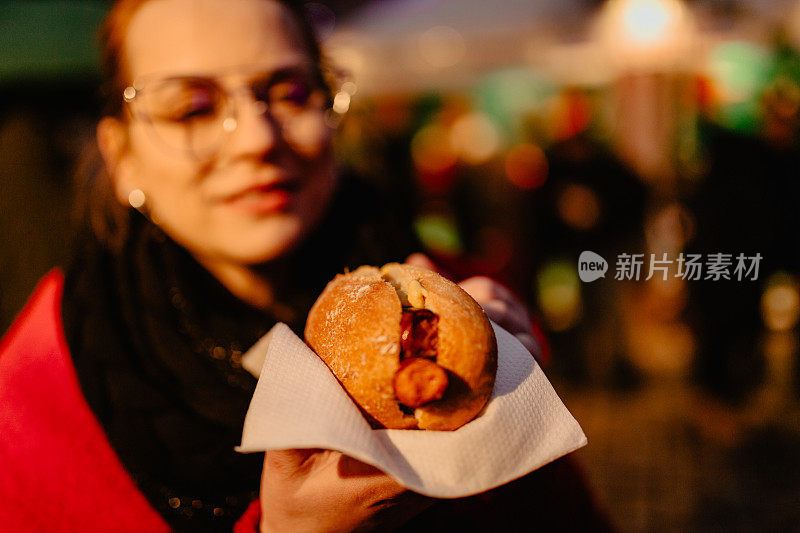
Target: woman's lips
x,y
262,199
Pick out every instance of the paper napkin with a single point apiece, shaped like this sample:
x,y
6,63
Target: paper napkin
x,y
298,403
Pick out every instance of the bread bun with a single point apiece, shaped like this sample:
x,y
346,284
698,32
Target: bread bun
x,y
355,328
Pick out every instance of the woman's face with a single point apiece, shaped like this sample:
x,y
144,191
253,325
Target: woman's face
x,y
264,187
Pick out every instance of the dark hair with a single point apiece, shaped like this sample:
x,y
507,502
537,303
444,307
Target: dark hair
x,y
96,208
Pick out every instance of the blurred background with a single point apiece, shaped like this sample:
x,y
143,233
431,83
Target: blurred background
x,y
518,134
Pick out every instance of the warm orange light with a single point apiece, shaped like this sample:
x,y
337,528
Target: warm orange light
x,y
431,151
579,207
474,138
646,33
780,303
526,166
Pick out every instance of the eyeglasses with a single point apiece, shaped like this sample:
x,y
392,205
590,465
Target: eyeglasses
x,y
196,114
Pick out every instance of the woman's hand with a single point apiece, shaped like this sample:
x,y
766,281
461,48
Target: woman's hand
x,y
499,304
324,490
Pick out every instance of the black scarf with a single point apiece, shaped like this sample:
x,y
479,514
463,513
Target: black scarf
x,y
157,344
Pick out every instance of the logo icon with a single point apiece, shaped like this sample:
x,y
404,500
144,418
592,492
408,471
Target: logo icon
x,y
591,266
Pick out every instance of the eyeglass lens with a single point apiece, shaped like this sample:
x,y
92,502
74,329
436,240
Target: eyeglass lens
x,y
188,113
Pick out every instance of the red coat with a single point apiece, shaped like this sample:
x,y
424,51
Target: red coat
x,y
58,472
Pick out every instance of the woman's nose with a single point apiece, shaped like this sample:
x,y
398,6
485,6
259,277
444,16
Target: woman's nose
x,y
254,131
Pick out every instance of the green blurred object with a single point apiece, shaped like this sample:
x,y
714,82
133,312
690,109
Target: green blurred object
x,y
509,95
559,293
49,41
740,72
439,233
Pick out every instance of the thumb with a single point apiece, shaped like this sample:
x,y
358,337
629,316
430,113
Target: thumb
x,y
421,260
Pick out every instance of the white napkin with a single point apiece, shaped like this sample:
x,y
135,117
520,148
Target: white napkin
x,y
298,403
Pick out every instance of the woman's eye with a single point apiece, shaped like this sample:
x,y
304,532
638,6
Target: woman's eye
x,y
188,113
290,92
188,104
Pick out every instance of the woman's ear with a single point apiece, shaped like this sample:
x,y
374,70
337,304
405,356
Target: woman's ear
x,y
112,140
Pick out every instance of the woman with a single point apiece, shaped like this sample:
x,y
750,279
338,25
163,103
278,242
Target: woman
x,y
121,381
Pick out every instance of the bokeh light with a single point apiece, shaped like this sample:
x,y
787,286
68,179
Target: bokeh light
x,y
569,113
341,102
559,295
349,87
646,34
508,96
526,166
439,233
431,149
646,21
737,72
579,207
474,138
780,302
441,47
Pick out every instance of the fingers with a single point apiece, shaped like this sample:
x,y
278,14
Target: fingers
x,y
316,497
502,307
510,319
421,260
485,289
499,303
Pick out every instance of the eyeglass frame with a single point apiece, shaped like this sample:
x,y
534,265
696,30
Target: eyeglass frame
x,y
230,122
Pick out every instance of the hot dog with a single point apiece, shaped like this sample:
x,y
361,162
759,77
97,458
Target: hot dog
x,y
410,347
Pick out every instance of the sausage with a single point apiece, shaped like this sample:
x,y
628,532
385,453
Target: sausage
x,y
419,334
419,381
